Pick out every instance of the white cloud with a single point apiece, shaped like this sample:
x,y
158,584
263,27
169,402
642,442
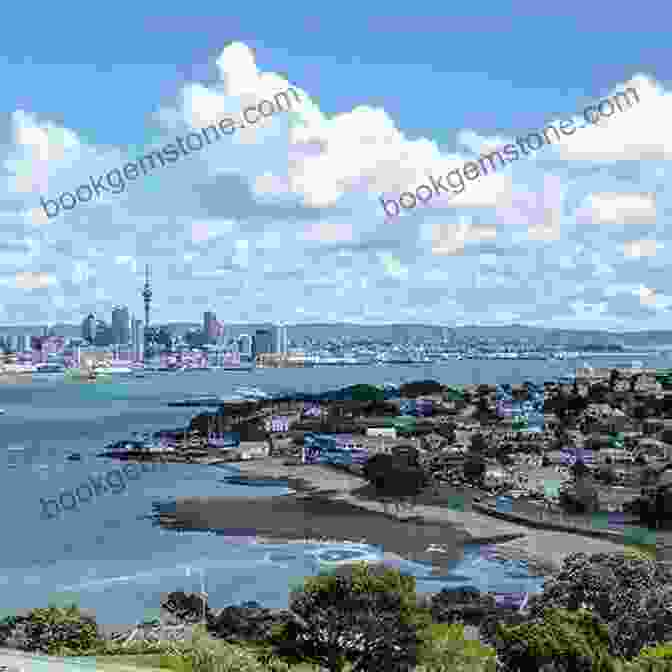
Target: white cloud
x,y
640,131
647,296
34,280
639,248
618,208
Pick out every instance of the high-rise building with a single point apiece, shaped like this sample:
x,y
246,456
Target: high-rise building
x,y
103,333
147,296
280,339
121,326
245,345
89,328
209,325
138,340
263,342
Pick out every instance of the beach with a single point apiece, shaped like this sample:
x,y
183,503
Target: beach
x,y
328,504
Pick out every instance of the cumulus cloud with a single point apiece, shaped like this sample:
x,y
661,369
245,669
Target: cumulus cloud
x,y
615,208
34,280
638,131
639,248
449,239
288,207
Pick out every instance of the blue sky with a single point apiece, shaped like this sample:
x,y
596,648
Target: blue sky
x,y
282,220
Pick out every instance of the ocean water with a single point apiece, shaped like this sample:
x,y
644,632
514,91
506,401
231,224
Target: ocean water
x,y
108,557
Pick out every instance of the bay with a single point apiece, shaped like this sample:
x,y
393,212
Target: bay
x,y
109,558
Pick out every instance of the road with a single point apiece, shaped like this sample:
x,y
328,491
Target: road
x,y
12,660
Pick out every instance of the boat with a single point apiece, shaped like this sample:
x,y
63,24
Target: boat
x,y
49,369
109,370
74,457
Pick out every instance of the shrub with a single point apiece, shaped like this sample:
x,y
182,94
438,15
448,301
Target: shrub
x,y
53,628
247,623
186,607
366,616
631,596
652,659
446,650
211,655
569,641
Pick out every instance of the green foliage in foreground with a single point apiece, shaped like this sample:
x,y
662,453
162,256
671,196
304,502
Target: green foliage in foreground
x,y
51,629
362,614
652,659
574,641
446,650
640,551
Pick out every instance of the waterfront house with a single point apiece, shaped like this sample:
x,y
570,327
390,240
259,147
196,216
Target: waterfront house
x,y
249,450
386,432
654,449
494,476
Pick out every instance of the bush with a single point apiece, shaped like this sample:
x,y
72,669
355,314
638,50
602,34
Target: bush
x,y
366,616
186,607
53,628
211,655
631,596
247,623
446,650
568,641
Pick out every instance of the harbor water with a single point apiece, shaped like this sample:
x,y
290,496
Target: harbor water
x,y
107,556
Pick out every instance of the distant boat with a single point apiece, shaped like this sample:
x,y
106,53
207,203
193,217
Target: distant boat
x,y
107,370
2,411
75,457
49,368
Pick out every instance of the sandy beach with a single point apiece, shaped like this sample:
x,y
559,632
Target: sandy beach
x,y
327,505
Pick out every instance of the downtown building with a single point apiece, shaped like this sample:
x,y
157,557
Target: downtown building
x,y
121,326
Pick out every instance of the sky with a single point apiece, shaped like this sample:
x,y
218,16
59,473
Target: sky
x,y
281,219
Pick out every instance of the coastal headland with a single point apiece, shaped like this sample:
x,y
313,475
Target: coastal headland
x,y
599,414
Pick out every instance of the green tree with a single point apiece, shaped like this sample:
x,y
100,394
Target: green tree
x,y
569,641
631,596
47,630
474,467
393,477
366,616
447,650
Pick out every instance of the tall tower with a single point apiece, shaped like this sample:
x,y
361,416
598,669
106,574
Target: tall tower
x,y
147,296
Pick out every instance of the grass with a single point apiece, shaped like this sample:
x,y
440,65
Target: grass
x,y
153,661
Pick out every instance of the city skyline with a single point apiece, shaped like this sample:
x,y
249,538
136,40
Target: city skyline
x,y
281,221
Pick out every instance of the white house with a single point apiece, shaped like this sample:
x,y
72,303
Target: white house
x,y
494,476
384,432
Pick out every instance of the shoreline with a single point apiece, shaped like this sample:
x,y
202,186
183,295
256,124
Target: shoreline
x,y
324,506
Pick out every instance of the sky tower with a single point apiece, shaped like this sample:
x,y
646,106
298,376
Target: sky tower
x,y
147,296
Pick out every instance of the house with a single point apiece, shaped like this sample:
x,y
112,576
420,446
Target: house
x,y
248,450
494,476
652,448
386,432
434,441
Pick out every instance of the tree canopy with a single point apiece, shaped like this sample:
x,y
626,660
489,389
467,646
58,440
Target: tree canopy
x,y
367,617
